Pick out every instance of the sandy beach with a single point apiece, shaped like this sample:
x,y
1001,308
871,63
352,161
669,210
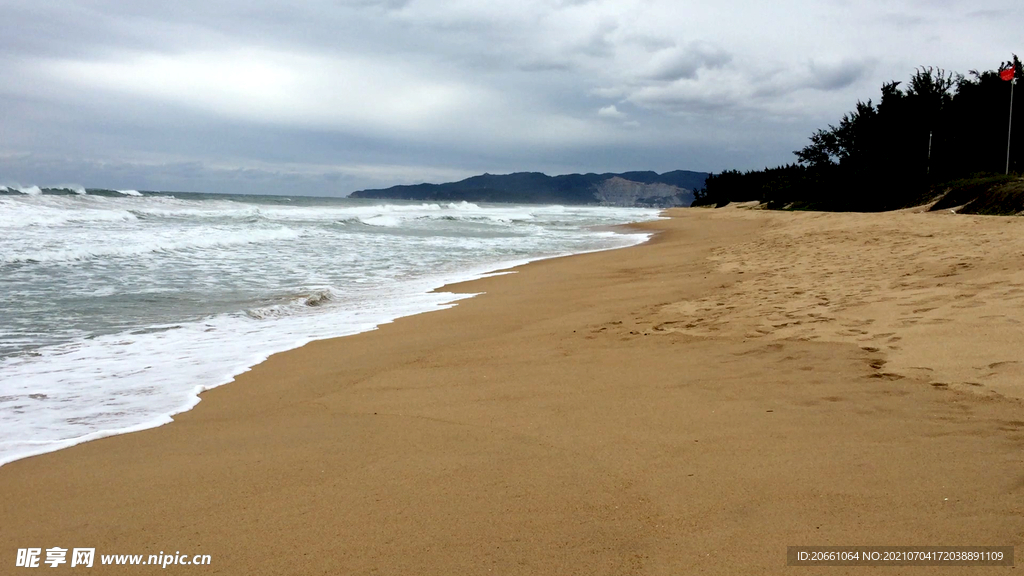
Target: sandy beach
x,y
746,381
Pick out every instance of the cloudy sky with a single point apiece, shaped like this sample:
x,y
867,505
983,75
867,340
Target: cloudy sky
x,y
327,97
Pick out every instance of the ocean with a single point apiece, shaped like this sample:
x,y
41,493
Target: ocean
x,y
117,308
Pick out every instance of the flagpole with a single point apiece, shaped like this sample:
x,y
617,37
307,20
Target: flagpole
x,y
1009,131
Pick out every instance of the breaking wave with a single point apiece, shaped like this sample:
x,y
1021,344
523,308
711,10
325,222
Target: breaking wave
x,y
154,244
120,308
298,303
27,190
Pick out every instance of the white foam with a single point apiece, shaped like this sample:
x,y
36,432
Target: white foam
x,y
90,389
380,215
159,242
186,211
129,192
94,388
351,279
49,211
385,220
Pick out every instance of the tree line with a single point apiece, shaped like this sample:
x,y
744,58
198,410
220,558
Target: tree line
x,y
938,127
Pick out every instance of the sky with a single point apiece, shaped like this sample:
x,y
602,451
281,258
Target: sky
x,y
327,97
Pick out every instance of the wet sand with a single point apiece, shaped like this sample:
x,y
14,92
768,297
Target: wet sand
x,y
744,382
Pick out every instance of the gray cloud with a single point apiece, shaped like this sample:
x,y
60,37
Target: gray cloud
x,y
903,19
990,14
328,96
836,76
686,62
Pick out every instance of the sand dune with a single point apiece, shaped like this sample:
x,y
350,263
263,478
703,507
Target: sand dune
x,y
933,297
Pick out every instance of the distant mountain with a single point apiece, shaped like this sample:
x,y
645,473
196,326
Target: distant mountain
x,y
626,189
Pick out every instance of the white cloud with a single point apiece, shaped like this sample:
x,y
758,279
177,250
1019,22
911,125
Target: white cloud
x,y
610,111
266,86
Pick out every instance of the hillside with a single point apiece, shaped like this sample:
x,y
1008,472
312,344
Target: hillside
x,y
626,189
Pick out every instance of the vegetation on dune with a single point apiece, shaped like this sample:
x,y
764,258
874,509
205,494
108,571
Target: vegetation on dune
x,y
942,135
993,195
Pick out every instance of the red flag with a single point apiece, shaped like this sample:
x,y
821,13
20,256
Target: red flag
x,y
1007,74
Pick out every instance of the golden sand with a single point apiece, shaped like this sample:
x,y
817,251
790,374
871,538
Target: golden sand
x,y
745,382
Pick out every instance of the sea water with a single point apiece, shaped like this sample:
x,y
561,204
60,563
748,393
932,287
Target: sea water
x,y
117,308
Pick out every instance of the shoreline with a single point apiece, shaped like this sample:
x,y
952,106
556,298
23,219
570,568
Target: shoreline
x,y
439,286
698,402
